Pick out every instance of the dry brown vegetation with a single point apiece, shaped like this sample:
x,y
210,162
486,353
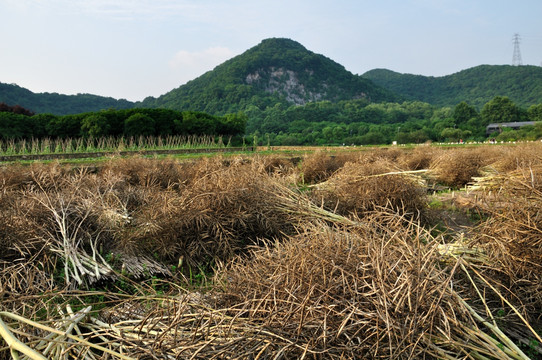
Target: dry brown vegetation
x,y
364,186
457,167
513,232
333,257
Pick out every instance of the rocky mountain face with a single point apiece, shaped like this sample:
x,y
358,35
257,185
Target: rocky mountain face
x,y
287,83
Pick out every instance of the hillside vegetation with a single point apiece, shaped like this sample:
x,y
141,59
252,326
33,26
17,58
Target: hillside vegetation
x,y
357,122
275,71
58,104
477,85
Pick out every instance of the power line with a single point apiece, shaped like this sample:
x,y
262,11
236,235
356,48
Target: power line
x,y
516,59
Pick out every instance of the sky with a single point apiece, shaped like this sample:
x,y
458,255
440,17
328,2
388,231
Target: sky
x,y
132,49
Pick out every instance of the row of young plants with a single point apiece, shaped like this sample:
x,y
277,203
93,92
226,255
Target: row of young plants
x,y
43,146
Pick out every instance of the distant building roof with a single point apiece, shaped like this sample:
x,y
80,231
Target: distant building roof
x,y
513,125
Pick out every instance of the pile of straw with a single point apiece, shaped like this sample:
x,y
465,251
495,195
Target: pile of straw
x,y
362,187
512,234
458,167
342,269
320,165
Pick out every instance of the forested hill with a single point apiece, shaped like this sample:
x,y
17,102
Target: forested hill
x,y
58,104
282,71
275,71
477,85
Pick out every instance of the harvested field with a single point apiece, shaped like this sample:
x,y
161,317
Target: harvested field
x,y
331,256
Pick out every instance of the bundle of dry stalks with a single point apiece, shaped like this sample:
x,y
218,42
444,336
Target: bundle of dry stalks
x,y
418,159
275,165
369,292
457,167
64,338
145,172
512,234
210,217
320,165
42,224
362,187
518,157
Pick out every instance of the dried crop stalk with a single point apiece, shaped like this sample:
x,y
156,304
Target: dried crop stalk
x,y
58,343
78,265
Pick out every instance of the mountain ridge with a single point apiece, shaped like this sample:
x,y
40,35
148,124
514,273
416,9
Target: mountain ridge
x,y
59,104
282,71
476,85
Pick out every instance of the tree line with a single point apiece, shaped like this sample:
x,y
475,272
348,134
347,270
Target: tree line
x,y
16,123
352,122
360,122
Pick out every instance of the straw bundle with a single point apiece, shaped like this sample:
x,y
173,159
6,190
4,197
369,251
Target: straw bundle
x,y
513,232
369,291
320,165
456,168
420,158
358,188
210,217
519,157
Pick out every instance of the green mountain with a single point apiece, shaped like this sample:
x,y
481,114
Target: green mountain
x,y
477,85
275,71
58,104
282,71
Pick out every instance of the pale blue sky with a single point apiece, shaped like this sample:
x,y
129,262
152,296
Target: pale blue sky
x,y
137,48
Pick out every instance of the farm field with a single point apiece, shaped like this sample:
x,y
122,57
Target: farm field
x,y
424,252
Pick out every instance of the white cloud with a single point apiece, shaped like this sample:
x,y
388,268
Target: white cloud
x,y
193,64
115,9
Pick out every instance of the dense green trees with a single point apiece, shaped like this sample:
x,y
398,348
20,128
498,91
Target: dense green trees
x,y
361,123
464,112
95,125
534,112
131,122
12,125
139,125
500,110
